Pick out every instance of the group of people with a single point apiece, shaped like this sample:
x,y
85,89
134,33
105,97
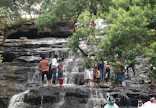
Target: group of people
x,y
141,104
50,70
101,72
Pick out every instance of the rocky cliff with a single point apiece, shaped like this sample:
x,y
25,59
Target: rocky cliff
x,y
28,29
20,72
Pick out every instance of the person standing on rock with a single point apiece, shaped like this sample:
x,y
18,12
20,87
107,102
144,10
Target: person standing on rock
x,y
132,65
60,72
54,69
44,68
107,70
119,72
101,69
111,103
95,69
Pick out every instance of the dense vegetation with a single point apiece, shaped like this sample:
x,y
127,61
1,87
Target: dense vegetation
x,y
11,13
130,32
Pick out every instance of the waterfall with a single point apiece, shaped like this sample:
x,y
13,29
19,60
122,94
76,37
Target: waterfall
x,y
74,89
17,101
97,99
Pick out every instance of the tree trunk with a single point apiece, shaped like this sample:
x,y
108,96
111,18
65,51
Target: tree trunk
x,y
83,52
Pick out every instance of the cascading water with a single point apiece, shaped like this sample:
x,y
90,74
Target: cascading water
x,y
74,94
97,99
17,101
73,74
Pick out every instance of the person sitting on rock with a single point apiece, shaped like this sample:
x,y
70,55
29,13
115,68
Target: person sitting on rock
x,y
111,103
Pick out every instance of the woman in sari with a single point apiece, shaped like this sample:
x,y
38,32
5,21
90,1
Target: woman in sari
x,y
60,72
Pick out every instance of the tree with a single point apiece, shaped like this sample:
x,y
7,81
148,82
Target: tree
x,y
128,29
11,17
131,28
66,11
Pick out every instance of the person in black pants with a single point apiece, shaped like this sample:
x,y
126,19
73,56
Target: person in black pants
x,y
132,65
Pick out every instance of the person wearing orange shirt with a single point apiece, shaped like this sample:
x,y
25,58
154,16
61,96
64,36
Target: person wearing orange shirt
x,y
44,69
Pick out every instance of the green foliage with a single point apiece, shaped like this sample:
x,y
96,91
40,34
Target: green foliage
x,y
15,7
68,10
87,63
127,31
151,52
130,32
59,11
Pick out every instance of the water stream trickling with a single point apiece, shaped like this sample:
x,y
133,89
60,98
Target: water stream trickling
x,y
73,90
17,100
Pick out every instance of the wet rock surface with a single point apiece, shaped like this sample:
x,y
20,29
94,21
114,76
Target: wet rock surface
x,y
20,72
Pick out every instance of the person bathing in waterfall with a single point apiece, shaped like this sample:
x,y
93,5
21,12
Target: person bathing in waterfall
x,y
54,69
44,69
111,103
60,72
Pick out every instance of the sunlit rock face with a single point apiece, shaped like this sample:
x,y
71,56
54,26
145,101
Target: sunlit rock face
x,y
22,73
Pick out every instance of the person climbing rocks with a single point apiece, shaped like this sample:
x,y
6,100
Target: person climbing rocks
x,y
60,72
111,103
44,69
54,70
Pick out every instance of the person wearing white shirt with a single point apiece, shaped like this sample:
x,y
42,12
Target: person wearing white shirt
x,y
54,69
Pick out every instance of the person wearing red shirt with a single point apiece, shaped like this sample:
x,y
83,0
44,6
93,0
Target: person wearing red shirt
x,y
44,69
